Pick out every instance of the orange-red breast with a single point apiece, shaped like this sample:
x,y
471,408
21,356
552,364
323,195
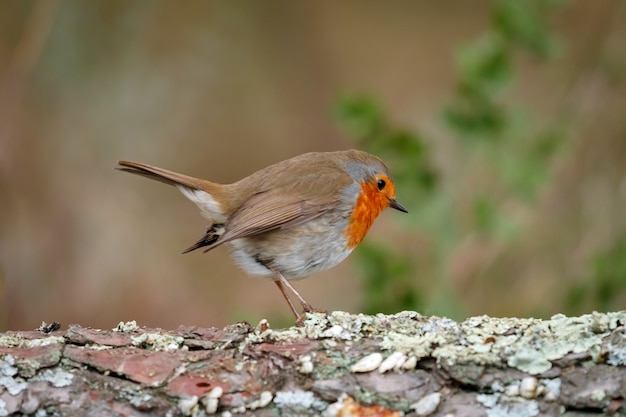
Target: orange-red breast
x,y
293,218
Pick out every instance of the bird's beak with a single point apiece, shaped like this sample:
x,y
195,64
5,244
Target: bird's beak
x,y
394,204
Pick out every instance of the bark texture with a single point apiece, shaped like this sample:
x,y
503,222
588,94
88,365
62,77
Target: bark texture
x,y
334,365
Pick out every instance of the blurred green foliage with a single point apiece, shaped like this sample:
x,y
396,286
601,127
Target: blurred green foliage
x,y
605,289
365,119
511,144
381,293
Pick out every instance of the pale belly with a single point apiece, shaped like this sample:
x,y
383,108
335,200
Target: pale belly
x,y
296,252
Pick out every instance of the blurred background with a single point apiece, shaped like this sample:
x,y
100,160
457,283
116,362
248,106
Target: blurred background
x,y
504,123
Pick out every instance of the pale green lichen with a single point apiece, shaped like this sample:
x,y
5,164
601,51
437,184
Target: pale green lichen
x,y
27,367
45,341
126,327
12,340
9,378
552,339
138,400
57,378
95,346
7,366
617,349
598,395
527,344
158,342
529,360
340,326
552,386
16,340
498,405
299,402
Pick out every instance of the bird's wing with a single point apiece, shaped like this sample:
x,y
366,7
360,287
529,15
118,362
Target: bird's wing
x,y
264,212
286,204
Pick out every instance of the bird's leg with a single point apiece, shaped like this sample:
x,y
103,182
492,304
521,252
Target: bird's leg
x,y
282,283
280,286
306,307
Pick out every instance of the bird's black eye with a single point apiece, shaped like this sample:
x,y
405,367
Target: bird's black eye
x,y
381,184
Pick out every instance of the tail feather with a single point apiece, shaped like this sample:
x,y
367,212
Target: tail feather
x,y
211,198
163,175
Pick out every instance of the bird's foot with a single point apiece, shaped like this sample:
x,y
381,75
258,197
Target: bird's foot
x,y
308,308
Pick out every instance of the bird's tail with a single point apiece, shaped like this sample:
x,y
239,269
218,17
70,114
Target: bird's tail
x,y
163,175
208,196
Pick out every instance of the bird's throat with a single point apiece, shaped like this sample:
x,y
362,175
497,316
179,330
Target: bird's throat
x,y
369,204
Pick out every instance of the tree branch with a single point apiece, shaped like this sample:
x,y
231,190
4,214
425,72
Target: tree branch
x,y
335,365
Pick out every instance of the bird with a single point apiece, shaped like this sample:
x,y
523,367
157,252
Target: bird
x,y
291,219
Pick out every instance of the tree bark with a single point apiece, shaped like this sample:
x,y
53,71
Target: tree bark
x,y
336,365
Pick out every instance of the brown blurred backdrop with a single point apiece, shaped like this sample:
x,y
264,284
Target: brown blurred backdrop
x,y
220,89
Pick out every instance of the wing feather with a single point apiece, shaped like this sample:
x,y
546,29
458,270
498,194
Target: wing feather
x,y
297,200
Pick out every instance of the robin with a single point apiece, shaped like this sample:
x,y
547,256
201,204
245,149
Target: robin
x,y
291,219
